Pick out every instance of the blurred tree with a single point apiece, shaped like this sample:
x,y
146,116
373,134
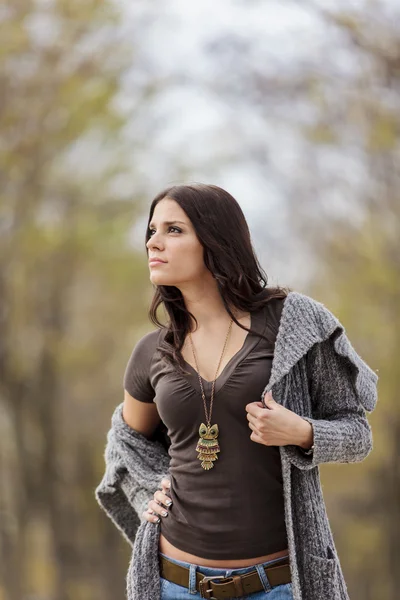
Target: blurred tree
x,y
364,265
70,283
363,261
70,291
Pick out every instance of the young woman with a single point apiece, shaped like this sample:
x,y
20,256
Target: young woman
x,y
226,516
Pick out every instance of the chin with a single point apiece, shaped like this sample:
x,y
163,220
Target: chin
x,y
159,280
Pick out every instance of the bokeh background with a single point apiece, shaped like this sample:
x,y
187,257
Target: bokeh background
x,y
294,108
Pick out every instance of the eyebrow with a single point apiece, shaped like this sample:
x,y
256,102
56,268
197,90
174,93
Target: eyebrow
x,y
168,223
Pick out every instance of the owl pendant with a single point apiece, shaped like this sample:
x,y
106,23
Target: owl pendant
x,y
207,446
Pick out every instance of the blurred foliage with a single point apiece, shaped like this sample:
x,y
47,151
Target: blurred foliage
x,y
70,289
74,294
358,278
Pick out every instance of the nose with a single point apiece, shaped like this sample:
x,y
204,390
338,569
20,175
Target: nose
x,y
153,242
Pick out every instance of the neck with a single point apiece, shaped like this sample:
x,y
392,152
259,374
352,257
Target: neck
x,y
207,306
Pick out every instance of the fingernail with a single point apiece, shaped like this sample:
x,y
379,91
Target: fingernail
x,y
164,513
158,520
168,502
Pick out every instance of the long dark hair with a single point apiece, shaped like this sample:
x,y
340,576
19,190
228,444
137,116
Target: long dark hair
x,y
222,230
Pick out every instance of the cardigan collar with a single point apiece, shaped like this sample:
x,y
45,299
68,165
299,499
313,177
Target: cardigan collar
x,y
305,322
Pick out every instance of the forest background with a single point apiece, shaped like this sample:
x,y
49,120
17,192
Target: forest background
x,y
294,108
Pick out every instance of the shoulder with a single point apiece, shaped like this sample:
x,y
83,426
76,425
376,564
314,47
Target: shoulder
x,y
300,300
273,310
147,344
311,321
150,338
137,376
144,350
299,307
304,322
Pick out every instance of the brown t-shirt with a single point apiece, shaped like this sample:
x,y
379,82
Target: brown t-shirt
x,y
234,510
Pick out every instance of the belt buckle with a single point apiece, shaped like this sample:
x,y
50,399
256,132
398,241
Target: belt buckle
x,y
205,580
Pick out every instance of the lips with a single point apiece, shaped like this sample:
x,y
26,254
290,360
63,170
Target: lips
x,y
156,261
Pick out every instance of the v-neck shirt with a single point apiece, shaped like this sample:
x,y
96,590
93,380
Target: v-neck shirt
x,y
217,513
257,322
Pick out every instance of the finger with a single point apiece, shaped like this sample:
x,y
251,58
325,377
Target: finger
x,y
162,498
251,419
149,515
255,437
158,509
165,483
254,429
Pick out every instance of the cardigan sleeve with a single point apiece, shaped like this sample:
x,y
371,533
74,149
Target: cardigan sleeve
x,y
342,433
134,468
112,494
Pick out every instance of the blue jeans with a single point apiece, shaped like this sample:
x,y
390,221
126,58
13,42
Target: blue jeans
x,y
172,591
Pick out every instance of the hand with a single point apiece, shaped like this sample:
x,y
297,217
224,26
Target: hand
x,y
159,504
275,425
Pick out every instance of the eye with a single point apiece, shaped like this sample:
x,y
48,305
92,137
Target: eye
x,y
170,227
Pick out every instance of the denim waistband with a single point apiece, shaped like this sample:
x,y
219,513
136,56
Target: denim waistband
x,y
221,570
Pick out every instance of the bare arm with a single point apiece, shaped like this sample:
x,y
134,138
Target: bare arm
x,y
141,416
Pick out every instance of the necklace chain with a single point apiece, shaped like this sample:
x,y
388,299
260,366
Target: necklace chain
x,y
215,378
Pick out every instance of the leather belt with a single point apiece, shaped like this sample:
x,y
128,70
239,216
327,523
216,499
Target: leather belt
x,y
233,586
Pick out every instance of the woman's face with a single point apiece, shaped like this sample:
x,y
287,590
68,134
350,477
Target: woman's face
x,y
174,240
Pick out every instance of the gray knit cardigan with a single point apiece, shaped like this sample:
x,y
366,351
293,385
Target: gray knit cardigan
x,y
317,374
